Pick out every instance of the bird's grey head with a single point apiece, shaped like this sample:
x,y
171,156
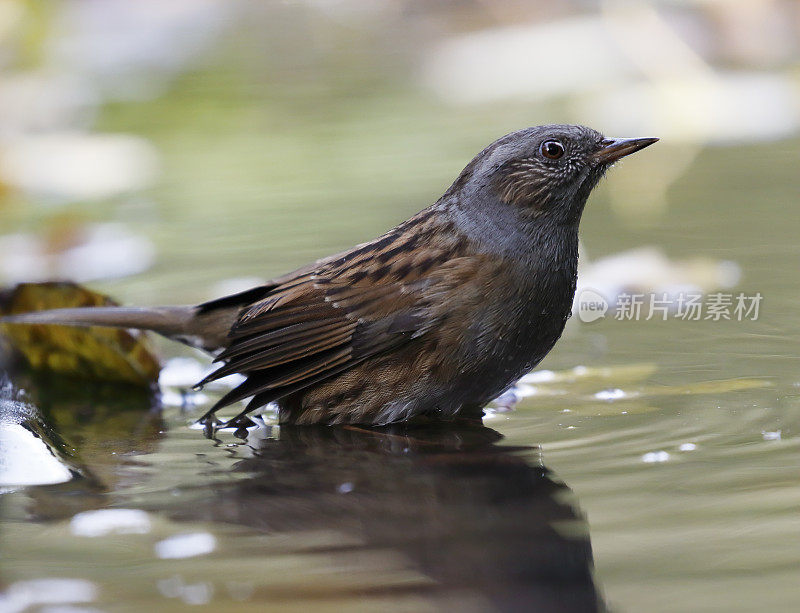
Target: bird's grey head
x,y
545,171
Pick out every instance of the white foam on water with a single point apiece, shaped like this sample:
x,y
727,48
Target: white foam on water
x,y
110,521
23,595
186,545
26,460
655,457
611,394
181,372
539,376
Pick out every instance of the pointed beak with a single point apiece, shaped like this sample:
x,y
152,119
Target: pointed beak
x,y
616,148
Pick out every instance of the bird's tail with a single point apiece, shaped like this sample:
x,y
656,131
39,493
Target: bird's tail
x,y
181,323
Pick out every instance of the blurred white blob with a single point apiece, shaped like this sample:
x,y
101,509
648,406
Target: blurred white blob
x,y
731,108
516,61
197,593
110,521
182,399
506,401
179,375
181,372
186,545
130,49
28,453
345,488
25,459
224,383
190,593
539,376
647,270
41,100
70,166
611,394
23,595
771,436
100,251
687,447
655,457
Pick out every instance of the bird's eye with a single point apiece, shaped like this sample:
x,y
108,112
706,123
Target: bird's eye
x,y
552,149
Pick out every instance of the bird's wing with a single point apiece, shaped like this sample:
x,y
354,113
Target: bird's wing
x,y
326,320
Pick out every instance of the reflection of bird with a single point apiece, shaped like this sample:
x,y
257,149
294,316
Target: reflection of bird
x,y
435,318
441,515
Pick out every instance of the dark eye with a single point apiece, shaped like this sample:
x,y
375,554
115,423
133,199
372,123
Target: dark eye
x,y
552,149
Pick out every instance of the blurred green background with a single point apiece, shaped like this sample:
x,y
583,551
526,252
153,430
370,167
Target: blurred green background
x,y
241,139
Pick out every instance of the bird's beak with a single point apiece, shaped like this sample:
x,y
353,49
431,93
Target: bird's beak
x,y
616,148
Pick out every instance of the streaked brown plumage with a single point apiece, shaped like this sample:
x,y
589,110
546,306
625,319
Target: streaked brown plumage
x,y
434,318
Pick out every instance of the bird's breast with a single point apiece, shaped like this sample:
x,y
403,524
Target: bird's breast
x,y
510,330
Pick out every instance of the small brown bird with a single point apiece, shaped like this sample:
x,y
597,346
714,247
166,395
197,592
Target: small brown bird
x,y
433,319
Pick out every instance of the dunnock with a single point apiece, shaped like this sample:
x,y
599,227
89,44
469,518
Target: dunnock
x,y
433,319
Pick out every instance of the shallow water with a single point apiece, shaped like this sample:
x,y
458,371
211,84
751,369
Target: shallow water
x,y
666,482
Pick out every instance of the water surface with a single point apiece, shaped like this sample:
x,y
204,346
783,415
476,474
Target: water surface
x,y
668,482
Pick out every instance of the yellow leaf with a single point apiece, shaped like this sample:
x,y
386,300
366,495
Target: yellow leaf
x,y
93,353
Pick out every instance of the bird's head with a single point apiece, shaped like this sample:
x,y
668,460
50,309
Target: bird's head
x,y
546,170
